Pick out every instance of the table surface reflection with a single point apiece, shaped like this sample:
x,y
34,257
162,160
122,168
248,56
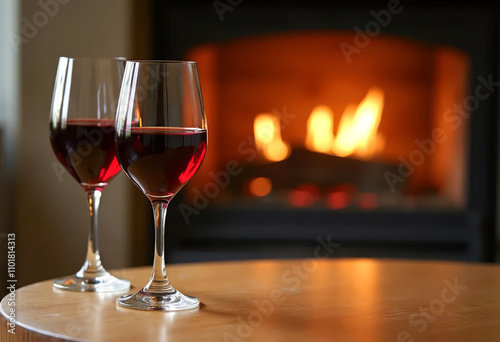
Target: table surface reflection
x,y
312,299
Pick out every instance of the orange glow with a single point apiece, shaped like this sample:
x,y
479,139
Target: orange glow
x,y
344,144
244,77
267,134
301,198
304,195
260,186
360,136
319,136
357,132
338,200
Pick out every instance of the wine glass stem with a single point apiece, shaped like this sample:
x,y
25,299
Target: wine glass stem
x,y
158,282
93,266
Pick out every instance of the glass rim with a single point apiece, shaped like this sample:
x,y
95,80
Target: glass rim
x,y
94,59
159,61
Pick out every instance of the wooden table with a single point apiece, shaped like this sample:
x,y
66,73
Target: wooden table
x,y
292,300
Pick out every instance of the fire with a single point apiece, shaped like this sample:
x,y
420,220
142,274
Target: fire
x,y
357,132
344,144
268,137
319,136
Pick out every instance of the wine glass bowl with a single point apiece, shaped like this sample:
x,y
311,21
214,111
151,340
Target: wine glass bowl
x,y
82,136
161,141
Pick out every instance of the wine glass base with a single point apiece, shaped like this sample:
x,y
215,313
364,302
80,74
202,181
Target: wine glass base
x,y
173,301
105,283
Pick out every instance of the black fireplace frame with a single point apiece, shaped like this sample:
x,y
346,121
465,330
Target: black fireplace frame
x,y
243,232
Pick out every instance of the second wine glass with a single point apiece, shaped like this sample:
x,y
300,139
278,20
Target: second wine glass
x,y
161,140
82,136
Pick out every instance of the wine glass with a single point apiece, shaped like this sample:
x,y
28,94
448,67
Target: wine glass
x,y
82,136
161,139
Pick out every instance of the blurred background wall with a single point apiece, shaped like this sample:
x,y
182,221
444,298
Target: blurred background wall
x,y
49,213
9,108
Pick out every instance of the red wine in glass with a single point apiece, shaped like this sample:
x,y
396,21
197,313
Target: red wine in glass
x,y
160,160
86,148
161,141
82,118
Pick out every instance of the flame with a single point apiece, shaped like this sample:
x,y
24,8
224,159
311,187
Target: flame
x,y
268,137
357,132
320,130
365,122
344,144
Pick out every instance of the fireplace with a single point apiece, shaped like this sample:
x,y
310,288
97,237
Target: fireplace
x,y
324,124
369,133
